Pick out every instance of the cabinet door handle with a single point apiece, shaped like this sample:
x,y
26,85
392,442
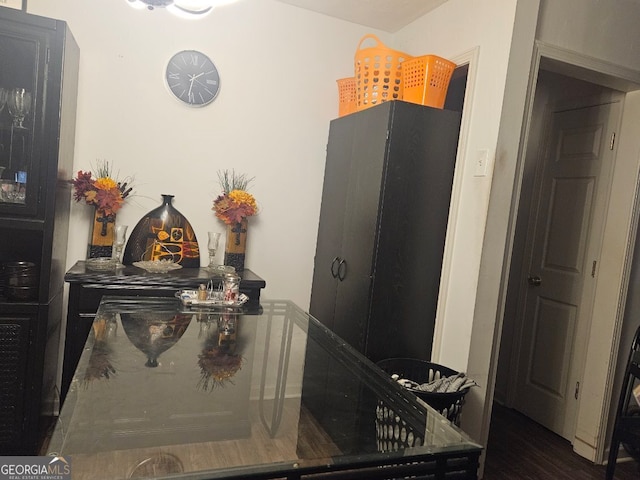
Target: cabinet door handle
x,y
342,272
335,266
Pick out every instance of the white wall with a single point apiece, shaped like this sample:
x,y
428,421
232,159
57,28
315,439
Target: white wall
x,y
456,27
278,65
607,30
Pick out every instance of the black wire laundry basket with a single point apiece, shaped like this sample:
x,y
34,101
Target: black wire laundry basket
x,y
420,371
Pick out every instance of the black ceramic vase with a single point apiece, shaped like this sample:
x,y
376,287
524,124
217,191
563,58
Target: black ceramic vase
x,y
163,234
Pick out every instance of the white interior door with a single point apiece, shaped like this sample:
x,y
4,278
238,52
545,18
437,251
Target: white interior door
x,y
565,231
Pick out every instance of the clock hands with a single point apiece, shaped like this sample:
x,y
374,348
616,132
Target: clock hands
x,y
192,79
206,85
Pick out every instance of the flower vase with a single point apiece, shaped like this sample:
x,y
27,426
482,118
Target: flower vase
x,y
163,234
101,235
235,248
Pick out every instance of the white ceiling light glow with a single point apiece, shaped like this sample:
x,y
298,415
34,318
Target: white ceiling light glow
x,y
181,8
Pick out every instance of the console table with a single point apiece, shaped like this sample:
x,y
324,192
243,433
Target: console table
x,y
87,287
167,391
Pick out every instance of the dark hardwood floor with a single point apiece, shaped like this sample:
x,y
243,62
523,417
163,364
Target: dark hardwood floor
x,y
519,448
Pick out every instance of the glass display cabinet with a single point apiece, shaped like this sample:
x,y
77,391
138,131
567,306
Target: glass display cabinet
x,y
22,57
38,84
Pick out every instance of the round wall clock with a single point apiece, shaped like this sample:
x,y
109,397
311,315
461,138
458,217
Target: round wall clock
x,y
192,78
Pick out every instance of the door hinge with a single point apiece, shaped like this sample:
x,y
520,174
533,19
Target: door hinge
x,y
577,392
612,141
593,269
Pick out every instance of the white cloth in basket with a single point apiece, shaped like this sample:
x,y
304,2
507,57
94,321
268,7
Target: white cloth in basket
x,y
451,384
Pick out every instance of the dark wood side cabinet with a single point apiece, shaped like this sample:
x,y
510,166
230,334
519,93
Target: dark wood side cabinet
x,y
87,287
38,55
383,220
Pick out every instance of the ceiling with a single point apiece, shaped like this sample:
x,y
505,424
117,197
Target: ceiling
x,y
387,15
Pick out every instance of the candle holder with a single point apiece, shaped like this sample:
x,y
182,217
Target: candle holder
x,y
212,246
120,235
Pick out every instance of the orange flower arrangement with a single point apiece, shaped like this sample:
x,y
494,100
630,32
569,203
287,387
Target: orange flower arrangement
x,y
104,193
235,203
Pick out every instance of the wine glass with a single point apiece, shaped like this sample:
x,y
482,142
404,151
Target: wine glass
x,y
19,104
214,239
4,94
120,234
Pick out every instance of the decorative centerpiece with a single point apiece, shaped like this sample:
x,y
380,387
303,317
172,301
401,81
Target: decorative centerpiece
x,y
233,207
106,195
162,240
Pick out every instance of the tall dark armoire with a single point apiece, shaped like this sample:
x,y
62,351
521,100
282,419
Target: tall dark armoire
x,y
383,221
39,73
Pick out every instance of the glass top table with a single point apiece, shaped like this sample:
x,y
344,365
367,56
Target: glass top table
x,y
167,391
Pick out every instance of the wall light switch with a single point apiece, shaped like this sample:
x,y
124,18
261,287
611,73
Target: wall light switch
x,y
482,163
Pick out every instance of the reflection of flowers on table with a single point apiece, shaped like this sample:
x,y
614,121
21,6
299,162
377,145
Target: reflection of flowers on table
x,y
219,361
100,366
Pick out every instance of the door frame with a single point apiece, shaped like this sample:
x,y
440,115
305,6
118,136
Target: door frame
x,y
593,414
469,58
593,248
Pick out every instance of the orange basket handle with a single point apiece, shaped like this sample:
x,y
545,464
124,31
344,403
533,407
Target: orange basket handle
x,y
372,37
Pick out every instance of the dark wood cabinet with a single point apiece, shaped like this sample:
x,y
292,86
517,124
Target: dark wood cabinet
x,y
15,335
383,221
40,56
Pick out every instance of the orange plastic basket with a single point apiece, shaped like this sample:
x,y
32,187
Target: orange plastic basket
x,y
346,96
378,73
426,80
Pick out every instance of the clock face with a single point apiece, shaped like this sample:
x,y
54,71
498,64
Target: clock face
x,y
193,78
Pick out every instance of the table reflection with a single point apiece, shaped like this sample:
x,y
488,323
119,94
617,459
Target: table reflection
x,y
154,333
222,394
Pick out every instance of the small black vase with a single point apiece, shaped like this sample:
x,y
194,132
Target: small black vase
x,y
163,234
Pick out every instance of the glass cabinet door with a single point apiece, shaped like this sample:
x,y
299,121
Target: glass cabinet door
x,y
22,63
